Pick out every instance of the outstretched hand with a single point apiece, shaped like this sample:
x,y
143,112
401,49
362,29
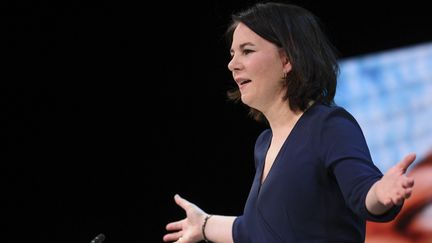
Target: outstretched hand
x,y
394,187
188,229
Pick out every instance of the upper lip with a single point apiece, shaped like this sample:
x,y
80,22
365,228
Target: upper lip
x,y
240,80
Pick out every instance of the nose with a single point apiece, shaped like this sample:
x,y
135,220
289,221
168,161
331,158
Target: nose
x,y
233,64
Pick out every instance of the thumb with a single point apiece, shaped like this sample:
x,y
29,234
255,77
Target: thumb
x,y
181,201
407,161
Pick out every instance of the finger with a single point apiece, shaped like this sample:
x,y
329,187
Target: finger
x,y
408,183
408,193
174,225
388,202
398,200
181,201
407,161
172,236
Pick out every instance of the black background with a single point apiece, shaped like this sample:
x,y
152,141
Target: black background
x,y
109,108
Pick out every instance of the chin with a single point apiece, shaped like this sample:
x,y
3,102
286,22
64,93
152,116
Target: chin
x,y
243,98
246,100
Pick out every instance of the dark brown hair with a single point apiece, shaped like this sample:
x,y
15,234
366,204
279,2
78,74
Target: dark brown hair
x,y
297,31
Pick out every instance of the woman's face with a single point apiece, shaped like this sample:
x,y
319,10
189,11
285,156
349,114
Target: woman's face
x,y
258,67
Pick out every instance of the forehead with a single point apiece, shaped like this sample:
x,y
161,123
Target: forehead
x,y
243,34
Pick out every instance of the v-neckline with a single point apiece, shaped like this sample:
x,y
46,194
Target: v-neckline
x,y
262,181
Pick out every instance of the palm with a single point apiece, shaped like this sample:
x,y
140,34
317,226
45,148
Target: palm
x,y
395,186
189,228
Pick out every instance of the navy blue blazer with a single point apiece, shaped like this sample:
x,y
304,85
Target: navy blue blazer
x,y
316,188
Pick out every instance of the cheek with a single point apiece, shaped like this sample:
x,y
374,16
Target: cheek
x,y
267,65
269,71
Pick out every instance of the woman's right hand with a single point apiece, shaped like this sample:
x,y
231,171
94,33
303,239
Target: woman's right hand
x,y
187,230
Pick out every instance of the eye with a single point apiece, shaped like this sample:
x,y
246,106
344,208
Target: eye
x,y
247,51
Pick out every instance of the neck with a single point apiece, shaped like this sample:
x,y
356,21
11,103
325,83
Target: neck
x,y
282,119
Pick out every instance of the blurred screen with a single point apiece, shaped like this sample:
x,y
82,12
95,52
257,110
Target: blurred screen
x,y
390,95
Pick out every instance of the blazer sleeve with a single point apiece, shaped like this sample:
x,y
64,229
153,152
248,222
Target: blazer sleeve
x,y
238,231
346,155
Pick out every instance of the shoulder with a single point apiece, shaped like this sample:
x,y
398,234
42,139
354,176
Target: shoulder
x,y
326,122
339,135
338,129
330,113
324,110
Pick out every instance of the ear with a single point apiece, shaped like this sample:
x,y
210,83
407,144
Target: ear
x,y
287,67
285,62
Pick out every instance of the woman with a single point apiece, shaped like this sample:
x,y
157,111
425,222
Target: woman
x,y
315,180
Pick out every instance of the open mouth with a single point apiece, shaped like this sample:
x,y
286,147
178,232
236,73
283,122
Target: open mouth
x,y
245,82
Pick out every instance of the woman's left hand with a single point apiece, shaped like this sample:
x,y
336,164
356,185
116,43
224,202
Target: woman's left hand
x,y
394,187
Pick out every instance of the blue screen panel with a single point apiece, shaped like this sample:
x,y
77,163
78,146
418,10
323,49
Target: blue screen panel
x,y
390,95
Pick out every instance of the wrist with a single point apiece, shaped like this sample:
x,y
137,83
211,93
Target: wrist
x,y
203,227
376,203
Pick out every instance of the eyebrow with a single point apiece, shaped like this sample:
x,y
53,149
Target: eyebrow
x,y
242,46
